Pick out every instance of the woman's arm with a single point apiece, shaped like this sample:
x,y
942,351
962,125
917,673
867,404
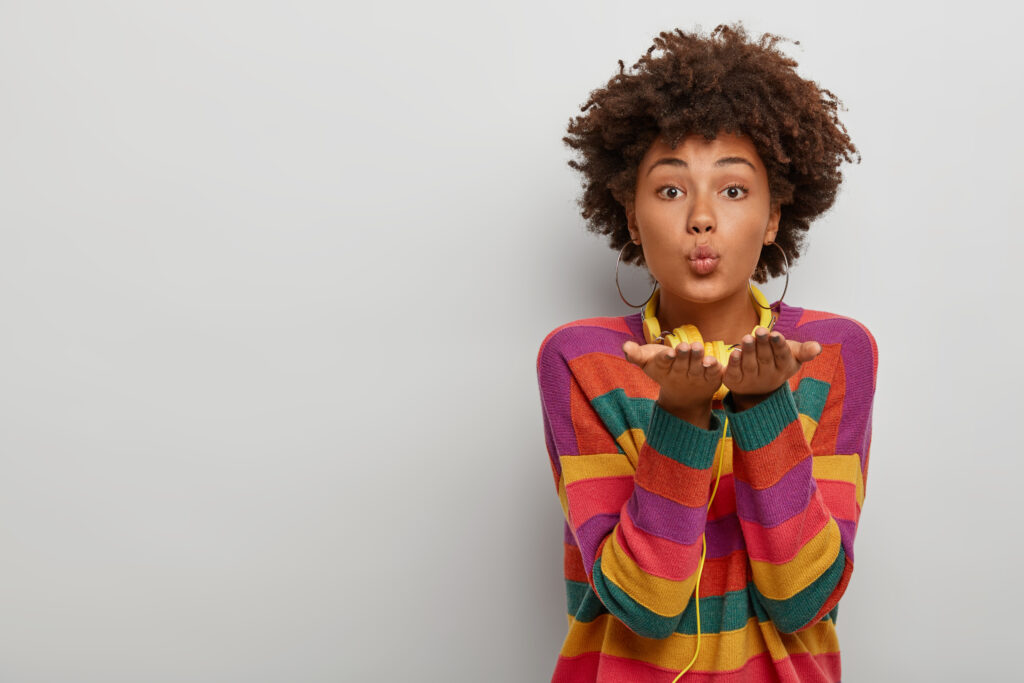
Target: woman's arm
x,y
798,506
638,532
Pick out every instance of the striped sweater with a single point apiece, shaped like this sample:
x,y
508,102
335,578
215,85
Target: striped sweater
x,y
634,483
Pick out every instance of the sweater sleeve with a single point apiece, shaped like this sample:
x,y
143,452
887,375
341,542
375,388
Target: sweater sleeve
x,y
638,530
798,506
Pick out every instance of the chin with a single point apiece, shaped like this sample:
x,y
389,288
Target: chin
x,y
704,293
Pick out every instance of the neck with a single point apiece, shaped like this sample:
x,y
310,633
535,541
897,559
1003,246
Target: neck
x,y
728,320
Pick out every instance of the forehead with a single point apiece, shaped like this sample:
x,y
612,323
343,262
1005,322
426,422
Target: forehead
x,y
696,150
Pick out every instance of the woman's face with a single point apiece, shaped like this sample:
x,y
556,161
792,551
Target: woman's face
x,y
702,212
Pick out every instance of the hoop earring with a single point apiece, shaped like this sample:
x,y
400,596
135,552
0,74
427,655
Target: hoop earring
x,y
787,278
619,260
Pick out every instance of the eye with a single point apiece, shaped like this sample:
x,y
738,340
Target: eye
x,y
739,187
675,189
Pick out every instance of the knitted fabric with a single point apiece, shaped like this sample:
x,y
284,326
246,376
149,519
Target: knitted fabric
x,y
634,482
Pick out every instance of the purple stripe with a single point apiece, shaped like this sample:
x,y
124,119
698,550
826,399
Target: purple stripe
x,y
782,500
567,534
847,529
666,518
591,533
789,316
549,441
858,356
635,326
555,380
724,536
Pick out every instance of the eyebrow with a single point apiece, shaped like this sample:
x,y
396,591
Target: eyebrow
x,y
724,161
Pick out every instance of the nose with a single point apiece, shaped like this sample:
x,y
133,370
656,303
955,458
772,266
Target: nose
x,y
701,218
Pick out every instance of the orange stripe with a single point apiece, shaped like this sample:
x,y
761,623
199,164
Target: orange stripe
x,y
763,467
601,373
591,435
664,476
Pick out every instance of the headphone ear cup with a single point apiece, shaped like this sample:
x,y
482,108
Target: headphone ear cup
x,y
672,339
652,330
688,334
722,353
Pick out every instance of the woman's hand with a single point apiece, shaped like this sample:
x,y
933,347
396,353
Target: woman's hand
x,y
761,365
687,377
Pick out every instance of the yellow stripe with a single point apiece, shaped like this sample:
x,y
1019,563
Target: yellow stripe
x,y
562,498
814,558
809,426
631,441
595,466
661,596
723,651
840,468
726,456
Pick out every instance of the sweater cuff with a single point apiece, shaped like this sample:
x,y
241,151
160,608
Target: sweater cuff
x,y
758,426
683,441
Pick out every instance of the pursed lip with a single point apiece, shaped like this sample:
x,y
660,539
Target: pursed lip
x,y
703,252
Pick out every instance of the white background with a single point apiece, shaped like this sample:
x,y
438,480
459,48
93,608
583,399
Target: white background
x,y
273,276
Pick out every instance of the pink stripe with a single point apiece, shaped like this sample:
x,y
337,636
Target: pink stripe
x,y
598,496
841,498
658,556
779,544
595,667
666,518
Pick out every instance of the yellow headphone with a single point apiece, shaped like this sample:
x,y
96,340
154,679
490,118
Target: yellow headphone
x,y
687,334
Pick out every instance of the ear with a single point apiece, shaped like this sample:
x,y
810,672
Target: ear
x,y
634,232
773,223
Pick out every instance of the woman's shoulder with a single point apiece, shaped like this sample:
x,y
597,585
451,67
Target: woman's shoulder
x,y
604,334
824,327
848,337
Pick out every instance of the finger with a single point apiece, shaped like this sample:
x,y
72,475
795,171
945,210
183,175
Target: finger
x,y
734,369
636,354
696,367
712,369
780,348
748,357
808,350
641,355
765,356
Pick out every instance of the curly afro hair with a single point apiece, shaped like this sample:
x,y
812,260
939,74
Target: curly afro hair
x,y
705,85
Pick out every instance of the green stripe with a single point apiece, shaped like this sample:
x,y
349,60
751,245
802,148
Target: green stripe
x,y
718,613
810,397
669,435
581,602
683,441
620,412
638,618
759,426
795,612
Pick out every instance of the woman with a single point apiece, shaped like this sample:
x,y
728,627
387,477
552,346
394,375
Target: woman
x,y
710,452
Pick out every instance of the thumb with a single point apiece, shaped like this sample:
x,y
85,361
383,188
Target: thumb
x,y
630,349
808,351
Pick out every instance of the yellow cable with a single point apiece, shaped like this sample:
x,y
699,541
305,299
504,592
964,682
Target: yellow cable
x,y
704,550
